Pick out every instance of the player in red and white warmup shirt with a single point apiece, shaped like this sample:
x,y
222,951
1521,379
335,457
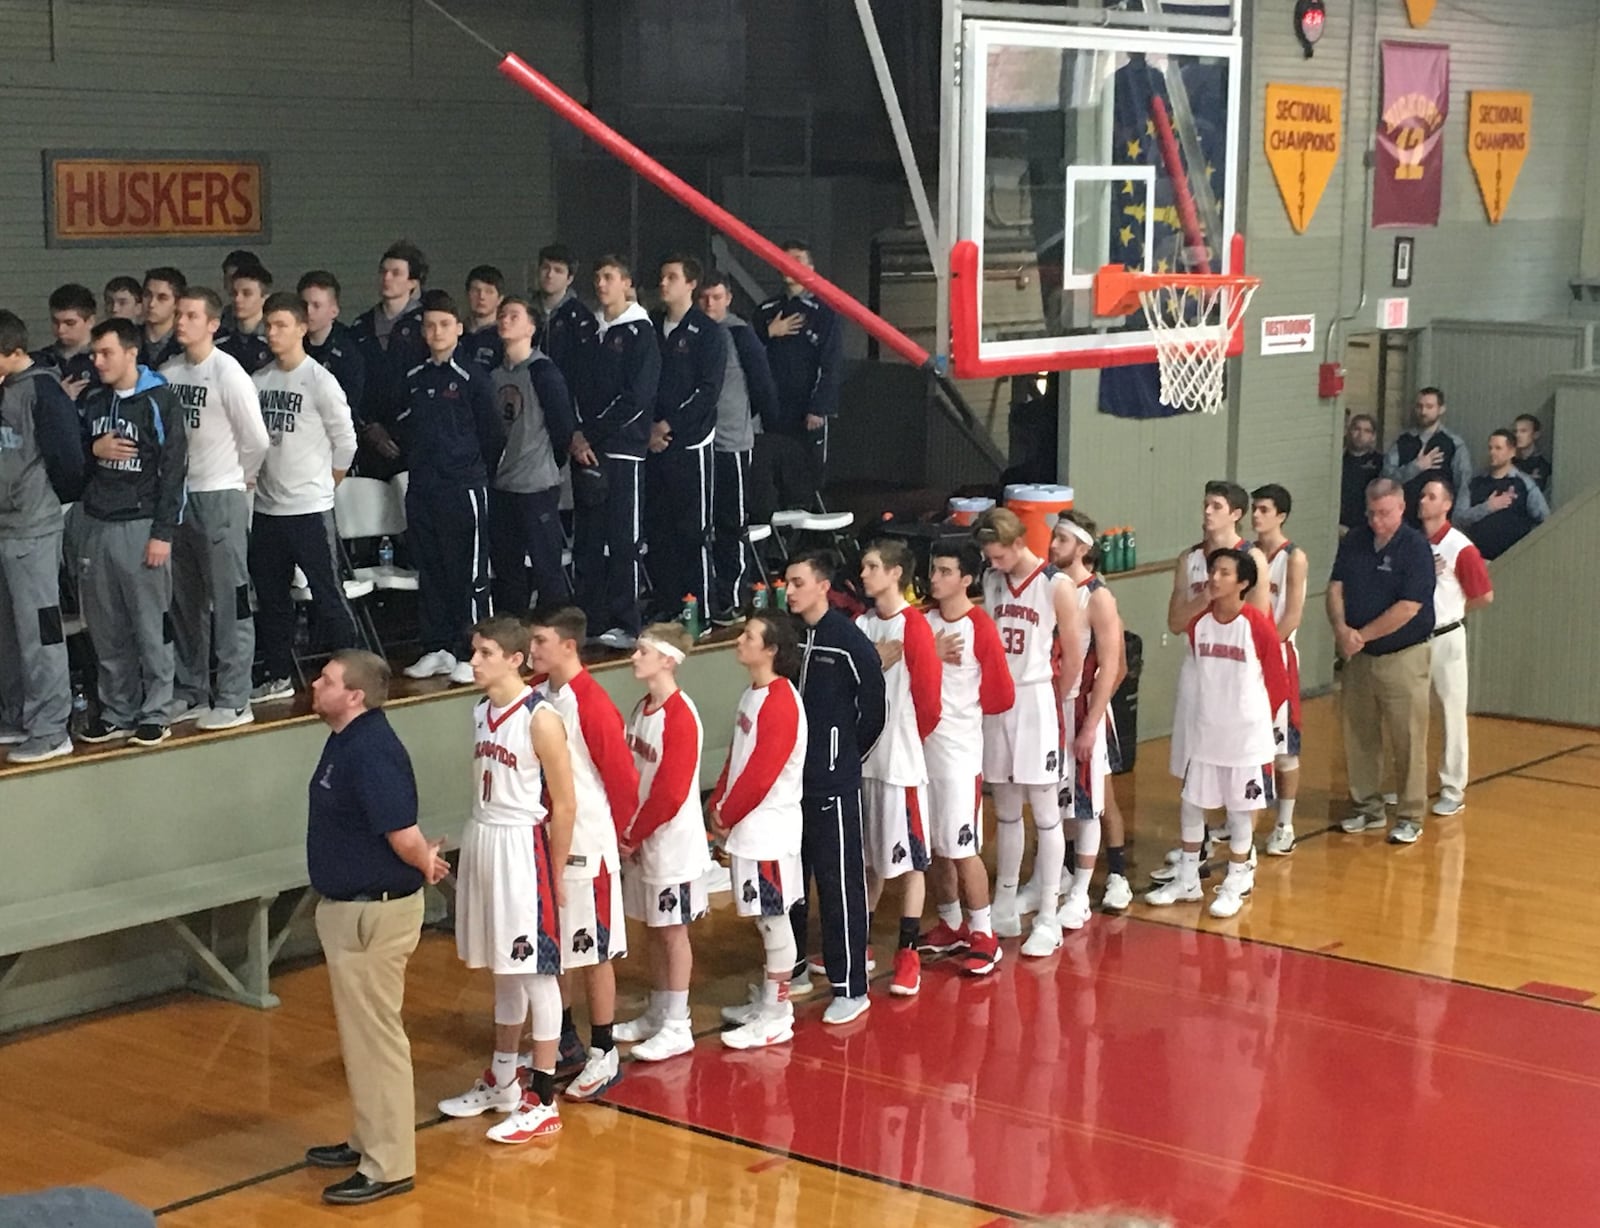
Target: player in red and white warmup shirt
x,y
1086,712
975,682
1462,585
663,845
1286,587
508,892
894,774
1238,683
1222,507
606,786
1034,610
755,814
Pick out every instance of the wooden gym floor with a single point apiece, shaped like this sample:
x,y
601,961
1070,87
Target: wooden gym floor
x,y
1385,1036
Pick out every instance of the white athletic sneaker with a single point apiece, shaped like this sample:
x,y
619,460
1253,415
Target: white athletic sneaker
x,y
1045,937
745,1011
1352,824
38,750
531,1120
1175,891
461,675
430,665
1447,806
225,718
183,712
1007,920
1028,897
1075,911
1231,895
12,737
671,1039
272,689
801,986
1118,894
1281,842
617,638
843,1010
766,1028
599,1073
644,1027
485,1097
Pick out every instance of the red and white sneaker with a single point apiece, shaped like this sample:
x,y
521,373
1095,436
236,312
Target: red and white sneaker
x,y
907,973
486,1096
770,1026
941,939
983,953
531,1120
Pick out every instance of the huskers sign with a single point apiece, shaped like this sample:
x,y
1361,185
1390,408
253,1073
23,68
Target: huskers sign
x,y
129,198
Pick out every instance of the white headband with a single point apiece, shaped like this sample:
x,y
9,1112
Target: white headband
x,y
1076,529
667,650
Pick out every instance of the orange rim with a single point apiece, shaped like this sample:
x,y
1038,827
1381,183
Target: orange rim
x,y
1117,288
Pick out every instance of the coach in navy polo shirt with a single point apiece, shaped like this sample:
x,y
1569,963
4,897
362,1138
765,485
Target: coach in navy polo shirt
x,y
1380,602
369,861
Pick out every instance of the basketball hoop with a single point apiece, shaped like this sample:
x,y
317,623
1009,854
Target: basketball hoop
x,y
1195,319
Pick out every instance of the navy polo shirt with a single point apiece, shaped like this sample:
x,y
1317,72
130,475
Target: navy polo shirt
x,y
1375,579
363,788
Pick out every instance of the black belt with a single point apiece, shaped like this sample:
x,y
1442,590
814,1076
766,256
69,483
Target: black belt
x,y
1447,628
374,897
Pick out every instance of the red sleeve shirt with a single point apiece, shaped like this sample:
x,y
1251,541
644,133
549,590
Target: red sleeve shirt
x,y
1473,573
926,674
996,689
674,775
607,741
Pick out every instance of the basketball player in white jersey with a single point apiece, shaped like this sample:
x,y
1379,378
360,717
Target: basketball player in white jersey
x,y
663,846
755,814
975,682
605,785
1237,683
1035,611
1086,706
1222,507
894,775
1286,586
509,893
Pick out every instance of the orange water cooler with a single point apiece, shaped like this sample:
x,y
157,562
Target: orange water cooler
x,y
1037,507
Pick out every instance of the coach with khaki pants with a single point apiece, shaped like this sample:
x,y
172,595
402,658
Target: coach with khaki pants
x,y
369,861
1380,602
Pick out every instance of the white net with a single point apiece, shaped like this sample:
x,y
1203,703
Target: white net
x,y
1192,325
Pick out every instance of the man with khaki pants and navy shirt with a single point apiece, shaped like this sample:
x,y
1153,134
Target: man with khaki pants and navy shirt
x,y
368,860
1380,602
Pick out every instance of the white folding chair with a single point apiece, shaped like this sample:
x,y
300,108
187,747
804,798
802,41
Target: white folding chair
x,y
366,508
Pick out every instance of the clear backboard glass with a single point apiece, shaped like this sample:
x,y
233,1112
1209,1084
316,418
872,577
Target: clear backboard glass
x,y
1081,147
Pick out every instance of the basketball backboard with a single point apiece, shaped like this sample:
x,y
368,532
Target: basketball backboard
x,y
1080,145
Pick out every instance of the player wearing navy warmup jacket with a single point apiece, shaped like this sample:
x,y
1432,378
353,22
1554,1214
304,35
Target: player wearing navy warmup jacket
x,y
244,340
72,312
678,474
327,340
804,348
486,287
449,428
389,336
567,322
618,368
748,393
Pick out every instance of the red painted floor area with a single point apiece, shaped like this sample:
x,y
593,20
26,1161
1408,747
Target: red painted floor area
x,y
1188,1075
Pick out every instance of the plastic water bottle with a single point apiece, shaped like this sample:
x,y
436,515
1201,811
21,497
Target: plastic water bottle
x,y
80,708
1107,563
759,597
689,616
386,552
780,595
1130,549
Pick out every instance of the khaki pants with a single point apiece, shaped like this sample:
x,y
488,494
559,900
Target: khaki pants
x,y
367,945
1387,698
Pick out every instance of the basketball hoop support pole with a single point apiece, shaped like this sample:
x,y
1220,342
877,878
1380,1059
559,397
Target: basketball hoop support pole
x,y
514,69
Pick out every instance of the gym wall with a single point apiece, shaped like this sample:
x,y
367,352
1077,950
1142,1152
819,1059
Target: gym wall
x,y
379,120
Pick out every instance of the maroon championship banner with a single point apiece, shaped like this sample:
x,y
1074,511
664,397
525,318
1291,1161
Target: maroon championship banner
x,y
1409,176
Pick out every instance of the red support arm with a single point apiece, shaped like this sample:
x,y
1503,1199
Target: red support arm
x,y
569,109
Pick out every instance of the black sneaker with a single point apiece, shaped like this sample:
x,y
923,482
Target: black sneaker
x,y
98,731
150,734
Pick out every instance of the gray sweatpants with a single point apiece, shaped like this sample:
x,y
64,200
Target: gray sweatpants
x,y
211,597
35,687
125,604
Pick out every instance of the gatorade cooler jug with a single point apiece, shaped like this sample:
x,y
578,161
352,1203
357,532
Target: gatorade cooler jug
x,y
1037,507
964,511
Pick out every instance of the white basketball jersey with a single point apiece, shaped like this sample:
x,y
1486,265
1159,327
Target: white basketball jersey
x,y
1278,578
954,751
897,756
1025,616
1198,569
1230,710
510,783
669,738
